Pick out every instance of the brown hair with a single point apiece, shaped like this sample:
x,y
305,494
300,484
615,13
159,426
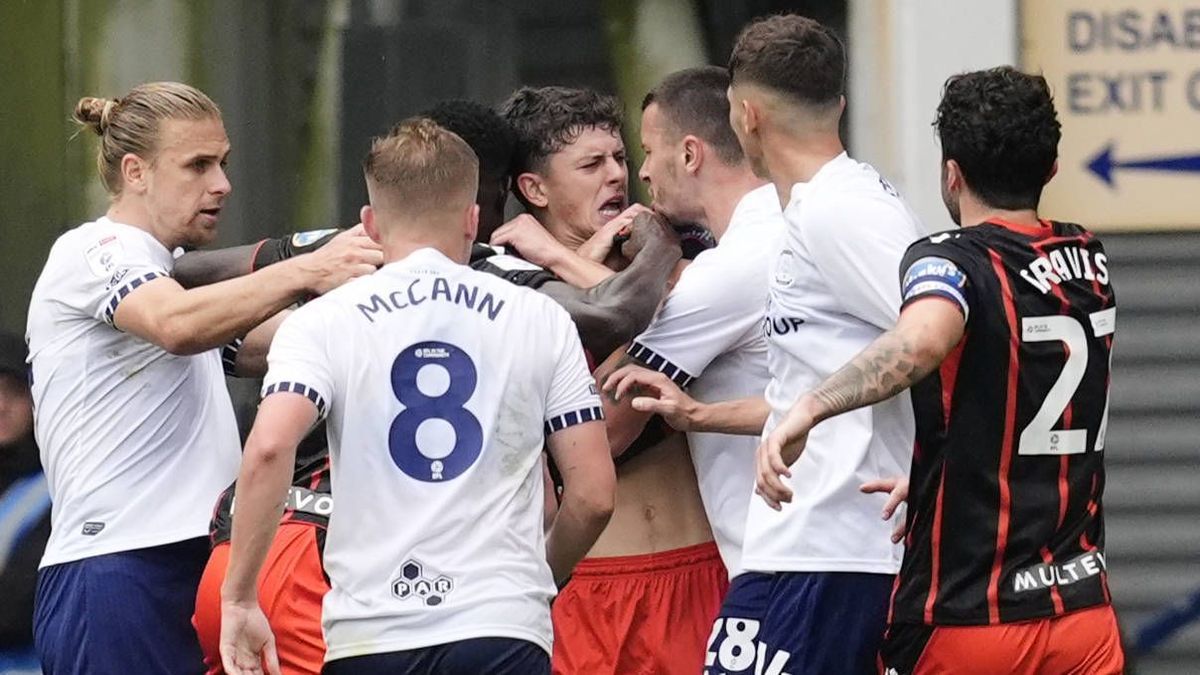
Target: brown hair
x,y
793,55
420,168
694,102
131,124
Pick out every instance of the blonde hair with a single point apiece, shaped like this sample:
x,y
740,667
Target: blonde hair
x,y
131,124
420,168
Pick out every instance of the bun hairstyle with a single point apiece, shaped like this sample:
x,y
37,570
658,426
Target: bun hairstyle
x,y
95,113
131,124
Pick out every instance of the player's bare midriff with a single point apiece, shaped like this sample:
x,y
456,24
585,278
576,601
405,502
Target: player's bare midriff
x,y
658,505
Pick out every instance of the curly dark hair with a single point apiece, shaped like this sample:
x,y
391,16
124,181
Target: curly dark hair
x,y
489,135
792,54
693,101
547,119
1000,126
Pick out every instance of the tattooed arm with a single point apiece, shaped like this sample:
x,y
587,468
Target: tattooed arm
x,y
927,331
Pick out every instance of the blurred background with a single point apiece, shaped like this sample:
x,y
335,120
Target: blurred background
x,y
304,85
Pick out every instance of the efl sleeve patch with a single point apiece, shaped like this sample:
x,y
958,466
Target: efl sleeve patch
x,y
938,276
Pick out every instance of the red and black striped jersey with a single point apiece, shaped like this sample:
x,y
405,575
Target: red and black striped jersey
x,y
1005,506
309,498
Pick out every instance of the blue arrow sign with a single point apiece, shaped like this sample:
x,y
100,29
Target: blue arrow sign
x,y
1103,164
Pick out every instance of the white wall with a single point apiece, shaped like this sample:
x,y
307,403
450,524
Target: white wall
x,y
901,52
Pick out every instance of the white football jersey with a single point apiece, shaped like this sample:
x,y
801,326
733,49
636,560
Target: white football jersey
x,y
439,384
834,288
137,443
708,337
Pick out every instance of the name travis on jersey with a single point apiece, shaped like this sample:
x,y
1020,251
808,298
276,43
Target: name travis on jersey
x,y
1066,264
438,290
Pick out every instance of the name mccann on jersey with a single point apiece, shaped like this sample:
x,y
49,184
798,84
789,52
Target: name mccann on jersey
x,y
417,293
1066,264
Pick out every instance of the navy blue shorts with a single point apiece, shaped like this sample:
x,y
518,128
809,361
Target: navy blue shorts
x,y
122,612
480,656
802,623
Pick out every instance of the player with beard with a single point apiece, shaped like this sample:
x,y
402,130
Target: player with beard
x,y
134,422
1005,339
707,337
571,173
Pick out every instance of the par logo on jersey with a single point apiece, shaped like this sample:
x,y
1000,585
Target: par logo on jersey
x,y
414,583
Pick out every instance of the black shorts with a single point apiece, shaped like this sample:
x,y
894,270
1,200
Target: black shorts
x,y
479,656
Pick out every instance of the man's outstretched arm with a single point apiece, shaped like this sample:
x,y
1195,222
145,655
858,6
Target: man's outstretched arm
x,y
928,330
616,310
201,268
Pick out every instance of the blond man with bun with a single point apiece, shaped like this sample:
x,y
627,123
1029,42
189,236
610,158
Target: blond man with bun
x,y
135,424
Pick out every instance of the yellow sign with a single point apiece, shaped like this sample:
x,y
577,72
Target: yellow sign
x,y
1126,83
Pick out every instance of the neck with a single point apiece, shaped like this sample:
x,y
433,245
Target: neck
x,y
973,212
721,197
402,239
796,156
562,231
134,213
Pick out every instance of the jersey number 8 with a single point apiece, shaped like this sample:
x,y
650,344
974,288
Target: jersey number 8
x,y
421,449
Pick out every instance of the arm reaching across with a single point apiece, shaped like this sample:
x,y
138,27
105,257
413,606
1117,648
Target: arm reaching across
x,y
189,321
927,331
200,268
612,312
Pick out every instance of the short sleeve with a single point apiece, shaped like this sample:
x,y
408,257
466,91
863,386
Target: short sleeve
x,y
572,398
707,313
298,361
858,252
934,267
116,264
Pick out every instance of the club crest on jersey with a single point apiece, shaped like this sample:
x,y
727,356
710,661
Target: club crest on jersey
x,y
306,238
415,583
782,276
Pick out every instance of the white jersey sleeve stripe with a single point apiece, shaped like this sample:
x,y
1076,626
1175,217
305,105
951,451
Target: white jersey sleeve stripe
x,y
652,359
297,388
119,294
560,422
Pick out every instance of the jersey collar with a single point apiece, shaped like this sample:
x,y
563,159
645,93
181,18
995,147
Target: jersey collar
x,y
1022,229
801,190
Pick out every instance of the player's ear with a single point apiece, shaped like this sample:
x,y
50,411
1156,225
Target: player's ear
x,y
750,117
533,189
472,223
367,216
952,176
1053,171
693,154
133,172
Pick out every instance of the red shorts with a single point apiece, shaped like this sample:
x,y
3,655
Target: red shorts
x,y
290,589
1085,642
640,614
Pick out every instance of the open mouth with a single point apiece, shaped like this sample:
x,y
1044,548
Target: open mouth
x,y
213,212
613,207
